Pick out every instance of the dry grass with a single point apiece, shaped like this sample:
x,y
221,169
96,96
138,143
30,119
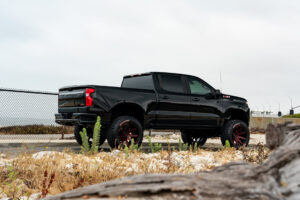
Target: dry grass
x,y
36,129
25,174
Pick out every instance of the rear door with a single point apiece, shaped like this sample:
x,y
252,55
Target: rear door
x,y
205,112
173,101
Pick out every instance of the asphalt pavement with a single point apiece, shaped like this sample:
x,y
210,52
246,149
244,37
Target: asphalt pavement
x,y
16,144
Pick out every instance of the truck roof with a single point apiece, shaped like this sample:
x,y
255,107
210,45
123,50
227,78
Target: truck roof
x,y
148,73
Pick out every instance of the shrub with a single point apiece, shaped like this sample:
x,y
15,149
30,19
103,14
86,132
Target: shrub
x,y
36,129
85,148
292,116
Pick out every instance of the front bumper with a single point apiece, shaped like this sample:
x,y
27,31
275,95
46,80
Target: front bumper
x,y
70,119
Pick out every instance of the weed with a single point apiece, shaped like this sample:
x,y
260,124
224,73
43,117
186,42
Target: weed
x,y
179,145
96,136
260,153
169,160
257,155
12,189
153,148
185,147
227,144
36,129
46,187
76,170
126,151
85,148
79,183
150,143
195,147
157,147
133,147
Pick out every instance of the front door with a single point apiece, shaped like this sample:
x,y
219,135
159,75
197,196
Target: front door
x,y
205,107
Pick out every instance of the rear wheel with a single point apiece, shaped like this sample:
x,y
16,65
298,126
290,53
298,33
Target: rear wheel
x,y
236,132
191,138
89,131
123,131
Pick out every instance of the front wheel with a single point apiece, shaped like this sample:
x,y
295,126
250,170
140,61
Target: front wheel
x,y
123,131
236,132
192,138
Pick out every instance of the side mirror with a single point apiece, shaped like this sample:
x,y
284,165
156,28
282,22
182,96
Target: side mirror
x,y
213,94
218,93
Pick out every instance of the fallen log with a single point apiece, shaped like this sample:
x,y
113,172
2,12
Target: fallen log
x,y
277,178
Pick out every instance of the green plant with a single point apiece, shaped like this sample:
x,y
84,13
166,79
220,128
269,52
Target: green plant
x,y
195,146
153,148
157,147
173,148
96,136
133,147
12,189
85,147
185,147
126,151
179,145
150,143
227,144
292,116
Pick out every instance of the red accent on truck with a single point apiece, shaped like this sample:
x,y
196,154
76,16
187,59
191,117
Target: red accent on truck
x,y
88,98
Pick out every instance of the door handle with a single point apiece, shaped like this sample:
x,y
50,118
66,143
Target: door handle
x,y
165,97
195,99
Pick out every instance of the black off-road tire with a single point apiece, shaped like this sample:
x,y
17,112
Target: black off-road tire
x,y
115,133
89,131
192,138
229,133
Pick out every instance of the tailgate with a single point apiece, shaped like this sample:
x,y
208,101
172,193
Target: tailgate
x,y
71,98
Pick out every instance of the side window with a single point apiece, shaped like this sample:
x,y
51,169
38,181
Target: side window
x,y
198,87
171,83
138,82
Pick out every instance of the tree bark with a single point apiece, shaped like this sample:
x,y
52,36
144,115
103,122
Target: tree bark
x,y
277,178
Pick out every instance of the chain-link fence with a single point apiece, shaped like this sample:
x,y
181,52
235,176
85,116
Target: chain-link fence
x,y
28,114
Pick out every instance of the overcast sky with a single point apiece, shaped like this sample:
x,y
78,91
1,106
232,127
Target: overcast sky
x,y
255,44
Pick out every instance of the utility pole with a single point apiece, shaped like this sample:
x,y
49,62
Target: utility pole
x,y
279,112
220,81
292,110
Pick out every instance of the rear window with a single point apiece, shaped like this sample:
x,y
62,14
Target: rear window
x,y
138,82
171,83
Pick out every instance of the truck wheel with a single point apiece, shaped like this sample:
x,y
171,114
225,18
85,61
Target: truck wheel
x,y
192,138
123,130
236,132
89,131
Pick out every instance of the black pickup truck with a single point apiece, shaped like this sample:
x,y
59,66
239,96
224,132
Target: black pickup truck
x,y
155,100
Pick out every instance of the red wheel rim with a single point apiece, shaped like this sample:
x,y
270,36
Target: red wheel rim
x,y
127,132
239,135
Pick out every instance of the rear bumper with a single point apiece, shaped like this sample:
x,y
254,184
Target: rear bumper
x,y
70,119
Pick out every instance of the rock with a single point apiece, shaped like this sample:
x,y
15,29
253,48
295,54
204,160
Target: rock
x,y
115,152
50,154
200,161
2,155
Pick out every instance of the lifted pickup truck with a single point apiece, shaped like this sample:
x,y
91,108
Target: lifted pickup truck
x,y
155,100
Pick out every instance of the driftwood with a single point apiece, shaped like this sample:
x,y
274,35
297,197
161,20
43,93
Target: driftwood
x,y
277,178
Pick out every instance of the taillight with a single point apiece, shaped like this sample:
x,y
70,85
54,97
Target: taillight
x,y
88,98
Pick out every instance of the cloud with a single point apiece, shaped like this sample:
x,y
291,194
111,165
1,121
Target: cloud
x,y
255,44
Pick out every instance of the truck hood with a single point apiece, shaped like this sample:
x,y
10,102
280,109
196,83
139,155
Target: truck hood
x,y
231,97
